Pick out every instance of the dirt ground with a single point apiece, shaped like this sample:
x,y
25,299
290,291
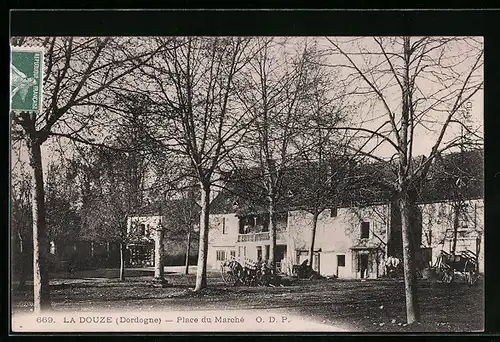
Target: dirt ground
x,y
365,306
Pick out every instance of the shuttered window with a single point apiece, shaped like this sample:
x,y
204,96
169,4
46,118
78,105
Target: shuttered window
x,y
221,255
365,230
333,212
341,260
224,229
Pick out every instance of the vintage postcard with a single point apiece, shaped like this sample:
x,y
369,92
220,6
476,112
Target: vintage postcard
x,y
247,184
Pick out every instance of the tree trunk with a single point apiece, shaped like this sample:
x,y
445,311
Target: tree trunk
x,y
21,261
41,297
159,275
456,217
272,235
313,237
201,272
412,309
122,262
188,250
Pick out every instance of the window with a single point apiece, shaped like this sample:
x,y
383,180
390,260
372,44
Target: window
x,y
464,218
224,230
142,229
259,253
267,251
221,255
233,254
341,260
365,230
246,223
242,225
333,212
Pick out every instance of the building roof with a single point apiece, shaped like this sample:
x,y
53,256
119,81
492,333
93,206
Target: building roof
x,y
455,176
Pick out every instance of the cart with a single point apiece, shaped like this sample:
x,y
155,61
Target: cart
x,y
448,265
251,274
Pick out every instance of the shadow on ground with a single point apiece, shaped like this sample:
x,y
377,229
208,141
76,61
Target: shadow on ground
x,y
373,305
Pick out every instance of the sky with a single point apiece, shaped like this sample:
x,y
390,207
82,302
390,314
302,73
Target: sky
x,y
361,111
459,57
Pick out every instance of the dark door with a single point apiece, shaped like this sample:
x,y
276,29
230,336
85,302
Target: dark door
x,y
363,260
279,253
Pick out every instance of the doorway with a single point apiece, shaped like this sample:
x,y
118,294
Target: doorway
x,y
259,253
340,263
363,265
279,258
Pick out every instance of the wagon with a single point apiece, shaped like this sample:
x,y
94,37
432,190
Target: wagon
x,y
251,274
448,265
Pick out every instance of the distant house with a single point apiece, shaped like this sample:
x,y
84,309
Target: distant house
x,y
141,230
360,229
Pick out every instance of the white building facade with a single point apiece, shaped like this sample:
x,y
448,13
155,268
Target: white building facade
x,y
142,231
349,242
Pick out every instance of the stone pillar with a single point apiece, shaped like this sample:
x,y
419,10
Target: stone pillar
x,y
159,278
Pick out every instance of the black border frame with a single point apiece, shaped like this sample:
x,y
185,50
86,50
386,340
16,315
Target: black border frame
x,y
298,22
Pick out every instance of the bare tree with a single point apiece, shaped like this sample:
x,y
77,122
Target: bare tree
x,y
63,216
324,160
195,82
112,200
277,83
77,73
21,223
182,214
413,86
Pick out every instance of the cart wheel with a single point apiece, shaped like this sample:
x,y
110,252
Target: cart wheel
x,y
472,277
447,276
228,276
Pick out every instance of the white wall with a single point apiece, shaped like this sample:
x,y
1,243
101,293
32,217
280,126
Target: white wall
x,y
336,235
150,222
328,265
222,236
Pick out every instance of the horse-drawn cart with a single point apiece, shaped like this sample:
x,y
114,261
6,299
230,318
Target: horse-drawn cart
x,y
449,265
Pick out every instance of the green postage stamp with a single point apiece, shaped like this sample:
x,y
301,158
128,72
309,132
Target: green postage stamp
x,y
26,76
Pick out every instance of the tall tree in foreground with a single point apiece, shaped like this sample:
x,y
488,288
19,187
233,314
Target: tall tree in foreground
x,y
324,160
194,83
416,87
77,74
279,79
